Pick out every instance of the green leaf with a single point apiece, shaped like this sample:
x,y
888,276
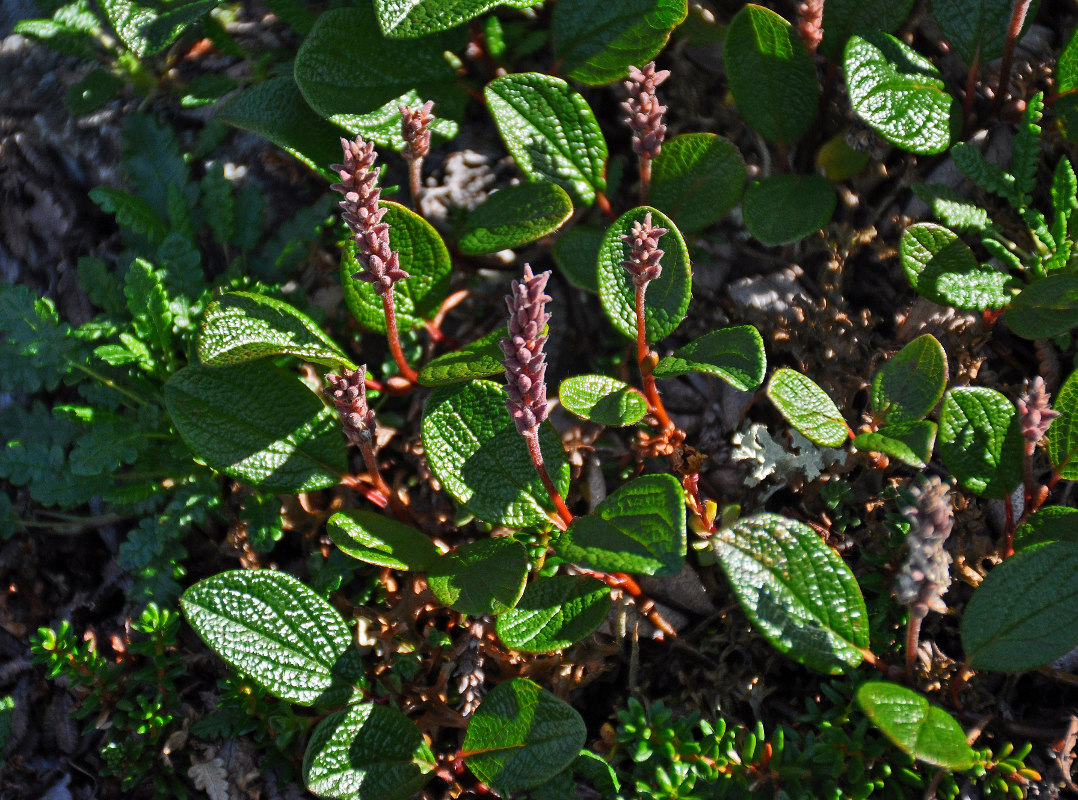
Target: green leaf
x,y
423,256
981,440
275,110
734,354
483,577
953,210
640,528
146,31
72,40
411,19
381,541
771,74
576,253
554,613
1046,308
696,179
787,208
796,590
480,458
153,161
271,628
985,174
666,299
1026,150
244,326
899,93
521,736
1063,434
106,447
909,442
597,41
603,400
941,267
257,424
38,349
130,212
1051,524
841,18
1066,104
479,359
383,125
367,752
149,306
1064,198
916,726
346,67
92,92
550,131
514,216
975,31
807,407
908,386
1025,613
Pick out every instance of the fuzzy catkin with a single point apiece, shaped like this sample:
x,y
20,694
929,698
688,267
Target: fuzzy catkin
x,y
525,361
1035,413
810,23
645,112
925,575
349,395
643,263
415,128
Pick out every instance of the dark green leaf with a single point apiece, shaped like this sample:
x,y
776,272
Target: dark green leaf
x,y
787,208
243,326
483,577
550,131
383,125
1063,434
985,174
1025,613
576,252
521,736
1064,198
554,613
975,31
734,354
271,627
1066,104
841,18
917,727
131,212
1046,308
367,752
514,216
257,424
908,386
423,256
941,267
1051,524
899,93
38,349
981,440
381,541
771,74
149,306
92,92
796,590
696,179
666,299
597,41
411,19
1026,150
479,359
475,450
144,30
603,400
153,161
909,442
807,407
640,528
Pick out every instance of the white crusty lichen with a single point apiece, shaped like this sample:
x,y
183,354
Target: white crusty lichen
x,y
799,462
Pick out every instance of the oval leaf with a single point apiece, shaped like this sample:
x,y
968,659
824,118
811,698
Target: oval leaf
x,y
514,216
597,41
1046,308
976,31
479,359
771,74
576,252
1063,434
807,407
381,541
640,528
367,752
475,450
258,424
603,400
899,93
666,299
909,385
917,727
383,125
734,354
550,131
244,326
844,17
555,613
909,442
1025,613
423,256
521,736
941,267
787,208
696,179
796,590
271,627
484,577
1052,524
410,19
981,440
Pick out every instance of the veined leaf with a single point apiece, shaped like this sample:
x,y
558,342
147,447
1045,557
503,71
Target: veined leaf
x,y
1046,308
908,386
479,359
144,30
483,577
1066,105
381,541
786,208
909,442
841,18
696,179
576,253
954,210
981,440
807,407
38,349
976,31
554,613
1063,434
412,19
514,216
603,400
1050,524
734,354
925,731
941,267
383,125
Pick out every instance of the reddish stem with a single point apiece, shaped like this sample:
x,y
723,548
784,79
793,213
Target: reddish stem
x,y
971,83
1018,18
406,371
913,635
604,205
645,177
531,436
415,181
644,359
644,604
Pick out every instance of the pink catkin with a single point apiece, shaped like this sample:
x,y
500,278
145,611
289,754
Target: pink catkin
x,y
810,23
349,395
525,361
643,263
415,128
645,112
1036,413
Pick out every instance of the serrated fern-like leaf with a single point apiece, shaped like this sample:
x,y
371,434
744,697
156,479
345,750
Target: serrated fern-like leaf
x,y
1027,151
153,161
38,349
1005,256
988,176
953,210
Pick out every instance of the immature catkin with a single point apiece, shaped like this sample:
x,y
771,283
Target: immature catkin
x,y
925,576
1036,414
643,263
415,128
645,112
525,361
349,395
810,23
359,185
